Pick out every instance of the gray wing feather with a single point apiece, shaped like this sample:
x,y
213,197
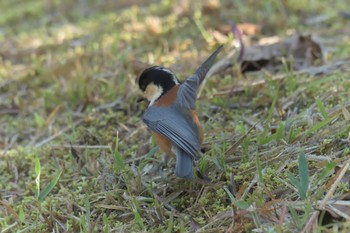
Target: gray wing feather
x,y
176,126
187,94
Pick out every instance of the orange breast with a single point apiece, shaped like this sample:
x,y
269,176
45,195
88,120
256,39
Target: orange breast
x,y
199,126
168,98
163,143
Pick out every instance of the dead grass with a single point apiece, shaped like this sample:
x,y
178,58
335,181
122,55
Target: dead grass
x,y
277,145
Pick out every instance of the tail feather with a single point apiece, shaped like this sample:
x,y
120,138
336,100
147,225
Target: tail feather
x,y
184,164
207,64
186,97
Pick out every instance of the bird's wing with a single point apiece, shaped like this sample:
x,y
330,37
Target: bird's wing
x,y
187,94
175,125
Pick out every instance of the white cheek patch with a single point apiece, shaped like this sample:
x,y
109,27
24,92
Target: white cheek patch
x,y
153,92
156,96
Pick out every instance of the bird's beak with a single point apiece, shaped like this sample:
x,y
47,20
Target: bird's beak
x,y
141,99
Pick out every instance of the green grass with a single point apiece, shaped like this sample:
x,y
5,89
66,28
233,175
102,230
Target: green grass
x,y
75,156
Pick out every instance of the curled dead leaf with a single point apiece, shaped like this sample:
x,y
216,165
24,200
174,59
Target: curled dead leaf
x,y
299,51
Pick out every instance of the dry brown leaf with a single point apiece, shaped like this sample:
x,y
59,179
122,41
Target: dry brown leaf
x,y
301,51
154,25
248,29
210,6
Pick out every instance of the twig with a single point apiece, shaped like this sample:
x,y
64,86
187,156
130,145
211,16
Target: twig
x,y
218,217
9,111
171,197
280,221
169,207
314,217
256,125
314,157
108,105
239,141
66,129
252,183
81,146
9,209
312,222
336,202
334,185
340,213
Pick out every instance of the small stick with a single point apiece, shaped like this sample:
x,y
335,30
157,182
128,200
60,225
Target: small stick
x,y
334,185
49,139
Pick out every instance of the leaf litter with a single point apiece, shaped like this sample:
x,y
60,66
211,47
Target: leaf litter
x,y
71,101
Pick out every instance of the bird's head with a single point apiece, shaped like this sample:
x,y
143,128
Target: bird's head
x,y
155,81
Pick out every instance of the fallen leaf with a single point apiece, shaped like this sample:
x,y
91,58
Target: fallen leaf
x,y
248,29
298,50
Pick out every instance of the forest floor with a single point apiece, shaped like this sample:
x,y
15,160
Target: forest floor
x,y
76,157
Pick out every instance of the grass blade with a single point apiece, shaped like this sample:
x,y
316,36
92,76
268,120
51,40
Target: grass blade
x,y
50,186
320,125
137,216
37,174
322,108
106,224
241,204
119,163
230,195
279,132
39,120
82,224
293,180
170,224
88,213
303,176
259,168
326,171
264,138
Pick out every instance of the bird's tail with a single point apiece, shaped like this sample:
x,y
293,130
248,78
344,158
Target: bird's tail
x,y
184,164
207,64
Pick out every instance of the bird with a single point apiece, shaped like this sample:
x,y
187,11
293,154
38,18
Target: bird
x,y
171,114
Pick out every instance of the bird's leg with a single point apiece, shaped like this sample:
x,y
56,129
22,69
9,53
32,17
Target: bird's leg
x,y
165,160
162,164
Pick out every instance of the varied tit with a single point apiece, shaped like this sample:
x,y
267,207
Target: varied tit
x,y
171,113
